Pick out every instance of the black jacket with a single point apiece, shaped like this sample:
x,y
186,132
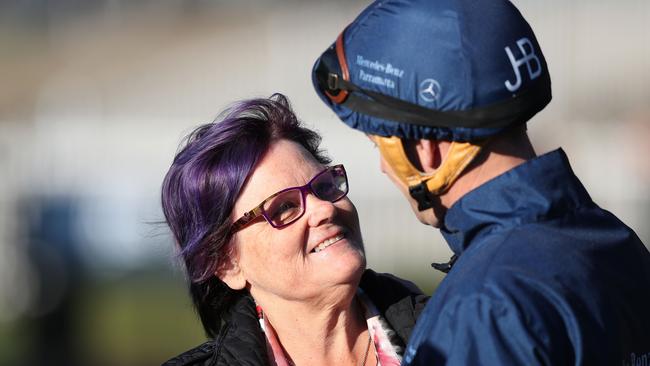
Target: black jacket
x,y
241,341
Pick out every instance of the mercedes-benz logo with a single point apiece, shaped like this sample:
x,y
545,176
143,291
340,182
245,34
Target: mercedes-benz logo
x,y
429,90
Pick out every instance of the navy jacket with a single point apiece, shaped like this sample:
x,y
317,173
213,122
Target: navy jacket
x,y
544,277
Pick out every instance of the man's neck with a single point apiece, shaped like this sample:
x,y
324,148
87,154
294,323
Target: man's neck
x,y
500,155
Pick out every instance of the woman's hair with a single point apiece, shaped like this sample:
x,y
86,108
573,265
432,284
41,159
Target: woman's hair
x,y
204,181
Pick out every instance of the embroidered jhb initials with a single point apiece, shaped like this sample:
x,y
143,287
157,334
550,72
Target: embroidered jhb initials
x,y
529,58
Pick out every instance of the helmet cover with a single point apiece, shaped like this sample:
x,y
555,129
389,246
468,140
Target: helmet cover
x,y
458,70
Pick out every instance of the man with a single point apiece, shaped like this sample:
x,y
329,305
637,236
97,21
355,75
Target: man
x,y
541,274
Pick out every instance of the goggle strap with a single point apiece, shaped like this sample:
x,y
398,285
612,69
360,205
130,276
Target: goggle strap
x,y
498,115
340,56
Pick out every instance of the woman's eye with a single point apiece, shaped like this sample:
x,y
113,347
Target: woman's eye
x,y
284,210
324,190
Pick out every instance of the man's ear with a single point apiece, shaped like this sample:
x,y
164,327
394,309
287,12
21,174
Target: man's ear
x,y
231,274
427,153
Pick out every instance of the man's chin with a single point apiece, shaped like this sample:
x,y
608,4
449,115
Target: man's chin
x,y
427,217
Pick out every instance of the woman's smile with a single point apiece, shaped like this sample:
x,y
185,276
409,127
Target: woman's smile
x,y
326,243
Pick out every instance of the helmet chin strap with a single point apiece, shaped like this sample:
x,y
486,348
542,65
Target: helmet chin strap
x,y
423,186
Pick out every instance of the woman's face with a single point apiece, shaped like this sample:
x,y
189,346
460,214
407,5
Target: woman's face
x,y
283,263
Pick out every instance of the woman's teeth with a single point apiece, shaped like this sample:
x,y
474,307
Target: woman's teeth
x,y
328,242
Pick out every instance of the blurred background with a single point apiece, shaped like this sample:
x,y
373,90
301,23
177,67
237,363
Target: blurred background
x,y
95,96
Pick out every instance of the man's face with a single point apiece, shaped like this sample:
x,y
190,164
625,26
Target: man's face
x,y
428,216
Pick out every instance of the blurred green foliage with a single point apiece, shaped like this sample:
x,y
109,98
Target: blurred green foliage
x,y
142,318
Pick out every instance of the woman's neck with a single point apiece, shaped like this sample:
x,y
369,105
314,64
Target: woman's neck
x,y
318,334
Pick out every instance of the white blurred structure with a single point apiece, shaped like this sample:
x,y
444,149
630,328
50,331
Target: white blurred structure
x,y
94,106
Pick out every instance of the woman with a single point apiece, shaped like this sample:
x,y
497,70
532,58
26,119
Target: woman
x,y
273,249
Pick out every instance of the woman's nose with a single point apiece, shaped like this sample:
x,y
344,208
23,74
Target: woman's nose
x,y
319,211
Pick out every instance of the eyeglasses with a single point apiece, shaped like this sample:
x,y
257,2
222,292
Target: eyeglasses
x,y
288,205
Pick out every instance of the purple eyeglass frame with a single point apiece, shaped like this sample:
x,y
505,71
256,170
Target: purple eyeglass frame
x,y
258,211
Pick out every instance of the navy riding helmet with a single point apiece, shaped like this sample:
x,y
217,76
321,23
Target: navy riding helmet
x,y
455,70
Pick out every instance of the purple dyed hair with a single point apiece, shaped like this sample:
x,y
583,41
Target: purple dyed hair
x,y
204,181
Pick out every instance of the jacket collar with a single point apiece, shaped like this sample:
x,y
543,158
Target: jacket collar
x,y
540,189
